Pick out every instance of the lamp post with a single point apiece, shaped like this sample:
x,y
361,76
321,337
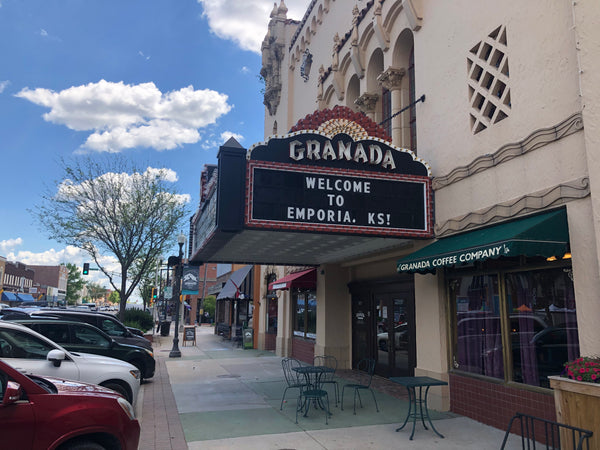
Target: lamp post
x,y
175,352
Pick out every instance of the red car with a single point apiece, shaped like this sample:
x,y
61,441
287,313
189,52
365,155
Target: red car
x,y
50,413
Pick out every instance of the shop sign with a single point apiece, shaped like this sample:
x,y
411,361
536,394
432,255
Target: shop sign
x,y
311,182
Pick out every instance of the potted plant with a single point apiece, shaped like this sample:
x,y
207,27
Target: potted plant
x,y
577,395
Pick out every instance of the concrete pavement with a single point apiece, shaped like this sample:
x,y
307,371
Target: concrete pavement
x,y
220,396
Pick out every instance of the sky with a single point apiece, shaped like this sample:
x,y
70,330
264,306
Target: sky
x,y
161,82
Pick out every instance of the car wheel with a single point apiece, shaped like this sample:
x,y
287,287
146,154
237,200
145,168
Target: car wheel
x,y
119,388
139,365
82,445
383,346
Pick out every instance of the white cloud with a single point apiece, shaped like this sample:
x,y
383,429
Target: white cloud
x,y
3,84
43,33
66,255
67,189
225,135
10,244
127,116
245,69
246,22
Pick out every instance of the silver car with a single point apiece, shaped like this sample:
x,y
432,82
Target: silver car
x,y
32,353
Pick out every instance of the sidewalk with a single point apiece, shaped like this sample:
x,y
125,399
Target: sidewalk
x,y
220,396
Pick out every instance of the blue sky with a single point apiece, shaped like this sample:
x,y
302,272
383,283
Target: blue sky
x,y
162,82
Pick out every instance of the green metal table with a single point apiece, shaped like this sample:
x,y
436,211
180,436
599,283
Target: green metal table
x,y
417,405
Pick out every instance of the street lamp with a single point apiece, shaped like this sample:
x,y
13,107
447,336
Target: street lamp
x,y
175,352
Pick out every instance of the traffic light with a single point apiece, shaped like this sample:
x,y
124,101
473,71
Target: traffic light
x,y
86,268
154,294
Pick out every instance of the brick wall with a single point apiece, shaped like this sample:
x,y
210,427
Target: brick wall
x,y
303,349
494,403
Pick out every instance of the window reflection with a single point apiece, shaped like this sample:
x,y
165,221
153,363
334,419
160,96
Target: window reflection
x,y
541,323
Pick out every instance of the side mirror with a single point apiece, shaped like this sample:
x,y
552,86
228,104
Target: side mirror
x,y
12,394
56,357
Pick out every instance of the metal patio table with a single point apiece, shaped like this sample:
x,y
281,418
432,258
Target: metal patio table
x,y
417,406
312,375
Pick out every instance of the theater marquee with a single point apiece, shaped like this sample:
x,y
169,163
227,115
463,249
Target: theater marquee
x,y
314,182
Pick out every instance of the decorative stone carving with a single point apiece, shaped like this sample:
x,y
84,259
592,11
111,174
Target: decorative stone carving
x,y
367,102
527,204
382,35
273,51
391,78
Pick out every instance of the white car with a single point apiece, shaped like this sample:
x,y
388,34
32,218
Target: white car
x,y
31,353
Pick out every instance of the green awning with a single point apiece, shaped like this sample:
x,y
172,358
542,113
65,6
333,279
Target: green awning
x,y
540,235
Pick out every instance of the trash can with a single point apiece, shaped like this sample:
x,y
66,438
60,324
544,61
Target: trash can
x,y
248,338
165,328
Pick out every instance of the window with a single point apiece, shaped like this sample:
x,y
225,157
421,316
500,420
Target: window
x,y
478,333
386,111
18,344
305,314
58,332
112,328
543,324
83,335
534,313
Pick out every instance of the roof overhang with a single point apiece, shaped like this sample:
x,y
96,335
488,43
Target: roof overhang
x,y
312,197
544,235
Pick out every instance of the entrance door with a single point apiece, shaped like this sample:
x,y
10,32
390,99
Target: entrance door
x,y
363,328
395,339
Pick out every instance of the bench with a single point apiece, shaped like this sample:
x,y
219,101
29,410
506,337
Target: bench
x,y
553,434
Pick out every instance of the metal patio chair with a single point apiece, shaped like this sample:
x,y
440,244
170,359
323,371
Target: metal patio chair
x,y
294,380
547,434
365,369
329,377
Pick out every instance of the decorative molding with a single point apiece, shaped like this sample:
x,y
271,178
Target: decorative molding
x,y
391,78
535,140
380,32
367,102
560,194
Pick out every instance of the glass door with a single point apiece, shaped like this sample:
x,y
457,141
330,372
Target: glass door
x,y
362,328
396,349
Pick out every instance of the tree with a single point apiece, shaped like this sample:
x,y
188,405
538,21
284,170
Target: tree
x,y
209,305
113,297
110,207
75,283
147,282
95,290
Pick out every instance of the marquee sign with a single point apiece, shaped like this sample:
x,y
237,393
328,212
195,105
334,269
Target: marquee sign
x,y
347,182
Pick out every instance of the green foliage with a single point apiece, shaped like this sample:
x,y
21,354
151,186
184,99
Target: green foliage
x,y
137,318
114,297
95,290
75,283
209,305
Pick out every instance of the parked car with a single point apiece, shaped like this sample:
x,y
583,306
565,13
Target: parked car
x,y
400,338
105,321
82,337
30,352
40,413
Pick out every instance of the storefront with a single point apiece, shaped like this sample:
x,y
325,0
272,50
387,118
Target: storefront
x,y
511,308
234,304
301,287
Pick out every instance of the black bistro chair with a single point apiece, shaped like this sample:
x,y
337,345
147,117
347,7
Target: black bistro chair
x,y
365,369
328,377
294,380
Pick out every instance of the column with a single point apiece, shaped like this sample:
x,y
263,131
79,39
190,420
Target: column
x,y
391,79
